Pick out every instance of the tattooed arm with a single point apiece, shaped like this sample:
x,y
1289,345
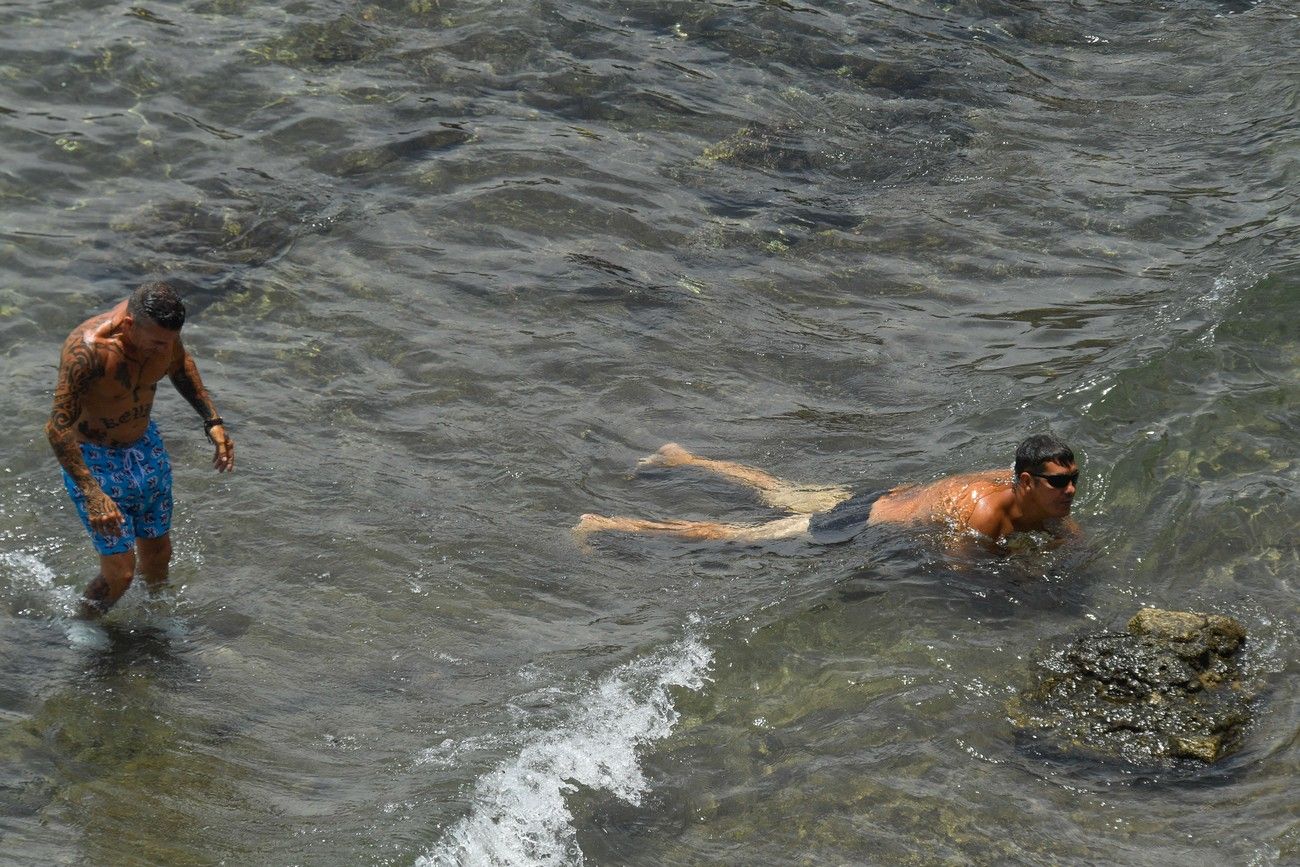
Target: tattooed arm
x,y
184,374
80,367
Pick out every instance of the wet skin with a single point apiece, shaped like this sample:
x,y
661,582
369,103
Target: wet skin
x,y
109,370
993,504
987,502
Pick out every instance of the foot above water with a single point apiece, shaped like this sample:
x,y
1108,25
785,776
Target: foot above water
x,y
668,455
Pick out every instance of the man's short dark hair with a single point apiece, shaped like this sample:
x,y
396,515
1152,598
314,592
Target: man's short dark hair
x,y
1041,449
159,302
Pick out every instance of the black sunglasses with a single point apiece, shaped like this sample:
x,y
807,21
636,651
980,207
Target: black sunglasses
x,y
1059,480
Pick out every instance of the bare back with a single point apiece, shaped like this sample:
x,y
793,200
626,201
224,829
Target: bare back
x,y
982,501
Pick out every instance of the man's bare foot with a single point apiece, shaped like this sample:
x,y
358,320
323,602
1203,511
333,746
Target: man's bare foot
x,y
669,455
588,524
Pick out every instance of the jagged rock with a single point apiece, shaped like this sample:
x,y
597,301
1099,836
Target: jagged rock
x,y
1170,687
1190,635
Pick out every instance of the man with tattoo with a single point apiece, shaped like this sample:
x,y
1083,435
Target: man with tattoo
x,y
115,467
1035,494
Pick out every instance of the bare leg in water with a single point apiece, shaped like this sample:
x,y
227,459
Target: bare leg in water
x,y
115,574
803,500
776,492
117,571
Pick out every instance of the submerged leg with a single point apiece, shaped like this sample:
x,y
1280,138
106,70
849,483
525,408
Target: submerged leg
x,y
699,531
776,492
115,574
155,559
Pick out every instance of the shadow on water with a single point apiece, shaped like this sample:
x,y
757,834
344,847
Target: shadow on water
x,y
1027,576
105,753
115,671
1097,774
135,650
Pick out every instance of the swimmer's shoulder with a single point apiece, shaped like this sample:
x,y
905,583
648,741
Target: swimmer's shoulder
x,y
991,515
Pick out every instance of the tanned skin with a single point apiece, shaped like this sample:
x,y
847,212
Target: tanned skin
x,y
992,504
109,371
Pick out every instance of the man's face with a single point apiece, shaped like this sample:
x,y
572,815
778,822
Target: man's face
x,y
149,338
1056,502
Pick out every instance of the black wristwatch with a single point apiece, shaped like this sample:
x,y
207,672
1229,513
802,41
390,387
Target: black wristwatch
x,y
209,424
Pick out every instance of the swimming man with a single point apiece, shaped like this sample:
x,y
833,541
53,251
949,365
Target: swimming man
x,y
115,466
1036,494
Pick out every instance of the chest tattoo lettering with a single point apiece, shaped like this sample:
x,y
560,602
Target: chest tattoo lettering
x,y
135,413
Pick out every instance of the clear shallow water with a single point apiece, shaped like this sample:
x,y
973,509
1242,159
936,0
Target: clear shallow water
x,y
454,267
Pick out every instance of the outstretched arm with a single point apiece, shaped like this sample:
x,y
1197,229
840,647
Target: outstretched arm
x,y
80,367
184,374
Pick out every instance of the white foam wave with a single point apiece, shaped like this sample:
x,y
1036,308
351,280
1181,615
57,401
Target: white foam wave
x,y
26,573
520,815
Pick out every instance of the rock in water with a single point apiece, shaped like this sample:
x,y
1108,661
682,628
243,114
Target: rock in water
x,y
1190,635
1171,687
365,160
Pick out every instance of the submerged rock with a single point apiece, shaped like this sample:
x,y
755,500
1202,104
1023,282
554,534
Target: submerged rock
x,y
369,159
210,232
1171,687
781,148
342,40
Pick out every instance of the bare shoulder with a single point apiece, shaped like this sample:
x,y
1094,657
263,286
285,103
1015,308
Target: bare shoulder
x,y
90,353
990,513
80,352
85,333
983,501
1000,478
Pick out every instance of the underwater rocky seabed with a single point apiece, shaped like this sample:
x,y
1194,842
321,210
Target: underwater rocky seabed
x,y
454,266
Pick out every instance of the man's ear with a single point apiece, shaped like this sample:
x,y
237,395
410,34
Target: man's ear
x,y
1024,480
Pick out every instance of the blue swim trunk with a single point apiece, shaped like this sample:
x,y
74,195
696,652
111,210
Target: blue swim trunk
x,y
139,479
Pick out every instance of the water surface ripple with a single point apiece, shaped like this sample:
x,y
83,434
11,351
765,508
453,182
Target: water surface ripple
x,y
453,266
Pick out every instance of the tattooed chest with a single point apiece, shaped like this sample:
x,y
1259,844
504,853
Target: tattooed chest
x,y
113,405
113,425
131,381
113,392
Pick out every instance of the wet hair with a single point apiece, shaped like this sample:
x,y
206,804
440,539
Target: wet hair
x,y
1041,449
159,302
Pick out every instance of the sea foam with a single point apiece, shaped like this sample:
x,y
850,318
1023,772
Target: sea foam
x,y
520,815
26,574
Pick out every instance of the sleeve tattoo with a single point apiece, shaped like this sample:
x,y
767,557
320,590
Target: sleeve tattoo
x,y
185,376
78,369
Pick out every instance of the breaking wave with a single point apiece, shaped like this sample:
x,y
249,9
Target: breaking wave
x,y
520,814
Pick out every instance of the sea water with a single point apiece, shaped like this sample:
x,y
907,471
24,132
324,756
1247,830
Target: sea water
x,y
453,267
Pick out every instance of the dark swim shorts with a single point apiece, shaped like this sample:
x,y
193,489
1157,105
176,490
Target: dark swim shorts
x,y
844,521
139,479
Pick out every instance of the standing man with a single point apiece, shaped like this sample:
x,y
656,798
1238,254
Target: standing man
x,y
115,466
